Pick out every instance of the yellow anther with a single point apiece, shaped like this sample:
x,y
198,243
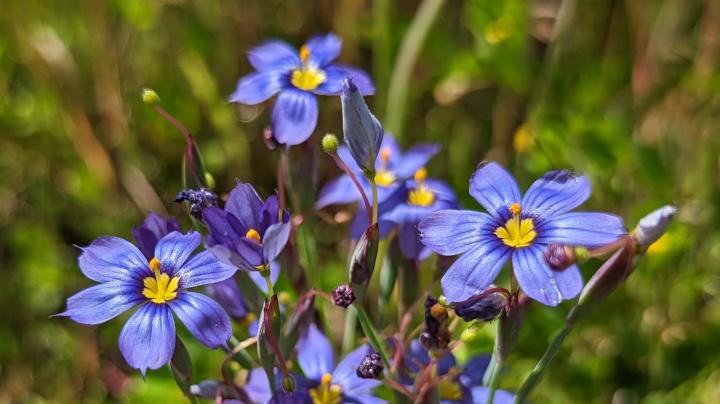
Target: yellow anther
x,y
253,235
160,288
326,392
421,195
515,209
308,77
155,265
326,378
517,232
420,174
304,53
384,178
385,156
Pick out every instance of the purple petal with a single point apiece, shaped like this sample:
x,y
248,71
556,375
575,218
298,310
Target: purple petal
x,y
323,49
414,159
148,338
274,240
259,280
336,75
556,192
245,204
154,228
494,188
589,229
475,370
475,270
345,374
203,317
228,295
112,258
220,230
481,394
202,269
258,386
453,232
257,87
540,282
269,213
175,248
273,55
294,116
416,356
347,158
100,303
338,191
315,354
410,244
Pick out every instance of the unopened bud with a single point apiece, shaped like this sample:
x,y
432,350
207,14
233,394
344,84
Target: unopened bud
x,y
371,367
559,256
483,307
362,262
288,383
343,295
330,143
150,97
653,226
362,132
269,139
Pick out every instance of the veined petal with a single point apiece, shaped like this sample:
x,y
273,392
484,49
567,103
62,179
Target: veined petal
x,y
323,49
589,229
203,317
556,192
540,282
414,159
100,303
345,374
175,248
315,354
294,116
202,269
338,191
258,386
494,188
475,270
452,232
153,228
259,280
335,76
273,55
220,229
410,244
257,87
148,338
245,204
112,258
274,240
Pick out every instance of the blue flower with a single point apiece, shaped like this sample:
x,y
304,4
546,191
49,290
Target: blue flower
x,y
154,228
298,76
517,228
126,279
330,384
259,391
248,233
419,197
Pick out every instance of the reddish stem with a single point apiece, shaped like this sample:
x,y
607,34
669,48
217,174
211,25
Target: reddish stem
x,y
344,167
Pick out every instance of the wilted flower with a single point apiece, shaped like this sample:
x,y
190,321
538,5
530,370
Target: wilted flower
x,y
198,200
298,77
362,131
517,227
436,334
248,233
126,279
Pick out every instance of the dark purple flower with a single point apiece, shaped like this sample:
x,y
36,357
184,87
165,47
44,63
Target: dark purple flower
x,y
151,231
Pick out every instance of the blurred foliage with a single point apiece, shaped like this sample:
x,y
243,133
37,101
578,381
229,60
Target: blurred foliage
x,y
624,91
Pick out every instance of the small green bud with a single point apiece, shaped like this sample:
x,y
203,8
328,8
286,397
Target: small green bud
x,y
150,97
210,180
288,383
330,143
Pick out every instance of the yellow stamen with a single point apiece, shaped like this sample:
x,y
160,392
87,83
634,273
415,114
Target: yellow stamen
x,y
304,53
421,195
384,178
308,77
160,288
326,392
420,174
385,156
517,232
449,390
253,235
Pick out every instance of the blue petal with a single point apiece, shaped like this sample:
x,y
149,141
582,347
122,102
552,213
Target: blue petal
x,y
112,258
416,356
475,270
257,87
346,377
148,338
481,394
494,188
335,77
100,303
294,116
258,386
174,249
589,229
347,158
220,230
415,158
556,192
245,204
228,295
273,55
475,370
539,281
203,269
259,280
274,240
323,49
340,190
153,228
203,317
446,361
453,232
410,244
315,354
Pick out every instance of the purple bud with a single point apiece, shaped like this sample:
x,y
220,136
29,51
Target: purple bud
x,y
343,295
361,130
652,226
559,256
198,200
371,367
482,307
362,262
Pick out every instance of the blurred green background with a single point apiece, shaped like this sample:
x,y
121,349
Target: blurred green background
x,y
624,91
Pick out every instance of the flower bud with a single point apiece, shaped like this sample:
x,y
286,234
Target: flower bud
x,y
652,226
343,295
559,256
330,143
269,138
371,367
482,307
150,97
198,200
361,130
288,383
362,262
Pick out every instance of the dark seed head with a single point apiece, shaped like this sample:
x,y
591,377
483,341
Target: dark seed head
x,y
343,295
371,367
198,200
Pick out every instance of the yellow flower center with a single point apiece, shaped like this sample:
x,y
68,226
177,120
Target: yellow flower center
x,y
421,195
160,288
383,176
517,232
326,392
253,235
309,77
449,390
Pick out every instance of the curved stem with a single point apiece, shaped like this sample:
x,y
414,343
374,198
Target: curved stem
x,y
359,187
373,184
268,282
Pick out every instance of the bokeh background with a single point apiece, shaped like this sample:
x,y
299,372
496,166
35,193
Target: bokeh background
x,y
624,91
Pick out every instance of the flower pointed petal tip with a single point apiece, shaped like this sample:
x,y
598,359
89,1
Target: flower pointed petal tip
x,y
362,131
556,192
494,188
653,225
147,340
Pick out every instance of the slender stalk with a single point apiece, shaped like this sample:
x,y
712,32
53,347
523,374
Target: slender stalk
x,y
372,334
374,218
348,341
268,282
534,377
282,174
180,127
495,368
405,62
359,187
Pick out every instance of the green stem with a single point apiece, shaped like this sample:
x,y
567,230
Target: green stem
x,y
495,368
405,62
372,334
534,377
268,281
373,184
348,342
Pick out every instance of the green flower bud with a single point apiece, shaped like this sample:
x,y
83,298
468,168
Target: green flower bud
x,y
330,143
150,97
